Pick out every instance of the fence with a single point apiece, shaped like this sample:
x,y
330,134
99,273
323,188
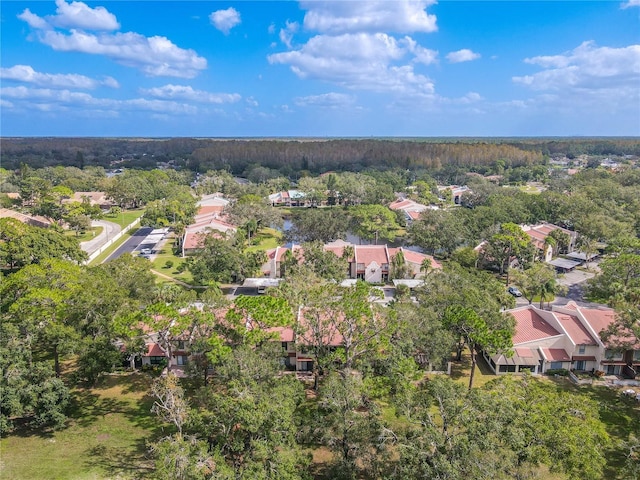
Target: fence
x,y
115,238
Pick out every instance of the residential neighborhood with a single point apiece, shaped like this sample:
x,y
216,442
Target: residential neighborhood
x,y
244,303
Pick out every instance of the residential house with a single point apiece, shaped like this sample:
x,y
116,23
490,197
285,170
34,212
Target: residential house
x,y
33,220
371,263
567,337
411,209
539,234
456,192
288,198
94,198
210,220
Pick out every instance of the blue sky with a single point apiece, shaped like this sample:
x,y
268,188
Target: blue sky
x,y
318,68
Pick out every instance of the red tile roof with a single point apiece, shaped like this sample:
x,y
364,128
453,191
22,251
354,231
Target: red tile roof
x,y
368,254
400,204
531,326
524,352
154,350
556,355
598,319
574,328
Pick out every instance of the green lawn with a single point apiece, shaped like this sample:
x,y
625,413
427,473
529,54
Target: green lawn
x,y
265,239
125,218
160,260
87,235
106,437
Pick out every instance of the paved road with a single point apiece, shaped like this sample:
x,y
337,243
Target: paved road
x,y
131,244
109,230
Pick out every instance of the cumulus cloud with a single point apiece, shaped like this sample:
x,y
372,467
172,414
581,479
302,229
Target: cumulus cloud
x,y
326,100
225,20
155,56
464,55
630,3
361,60
357,47
586,67
73,15
185,92
401,16
26,74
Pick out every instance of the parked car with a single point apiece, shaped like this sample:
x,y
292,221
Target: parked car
x,y
514,291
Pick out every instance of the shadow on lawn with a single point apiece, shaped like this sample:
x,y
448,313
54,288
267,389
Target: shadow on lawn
x,y
87,408
117,461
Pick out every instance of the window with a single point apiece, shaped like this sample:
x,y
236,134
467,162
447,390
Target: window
x,y
385,266
180,345
582,349
612,369
612,355
556,365
636,356
181,359
284,346
156,360
580,365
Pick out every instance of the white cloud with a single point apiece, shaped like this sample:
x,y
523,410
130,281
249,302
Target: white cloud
x,y
225,20
630,3
26,74
46,99
359,60
185,92
356,47
73,15
155,56
251,101
80,15
422,55
326,100
586,67
33,20
464,55
286,34
400,16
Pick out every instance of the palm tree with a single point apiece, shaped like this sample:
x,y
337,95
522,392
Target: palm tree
x,y
587,246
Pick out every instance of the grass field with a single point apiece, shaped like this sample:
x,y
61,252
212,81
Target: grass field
x,y
87,235
106,437
125,218
110,426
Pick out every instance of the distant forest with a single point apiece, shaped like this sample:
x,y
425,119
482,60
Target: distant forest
x,y
291,156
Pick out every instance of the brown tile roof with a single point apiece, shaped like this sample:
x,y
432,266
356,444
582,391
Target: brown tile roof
x,y
531,326
587,358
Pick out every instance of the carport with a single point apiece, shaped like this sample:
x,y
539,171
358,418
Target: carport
x,y
563,265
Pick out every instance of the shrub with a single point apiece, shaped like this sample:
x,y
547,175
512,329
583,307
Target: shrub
x,y
168,264
563,372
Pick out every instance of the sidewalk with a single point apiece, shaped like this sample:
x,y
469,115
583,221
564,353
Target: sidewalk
x,y
109,230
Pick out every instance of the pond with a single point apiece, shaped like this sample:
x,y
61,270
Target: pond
x,y
355,239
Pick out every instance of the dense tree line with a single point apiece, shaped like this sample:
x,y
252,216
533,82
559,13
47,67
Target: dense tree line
x,y
296,155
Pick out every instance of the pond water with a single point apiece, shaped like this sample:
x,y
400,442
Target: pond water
x,y
355,239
